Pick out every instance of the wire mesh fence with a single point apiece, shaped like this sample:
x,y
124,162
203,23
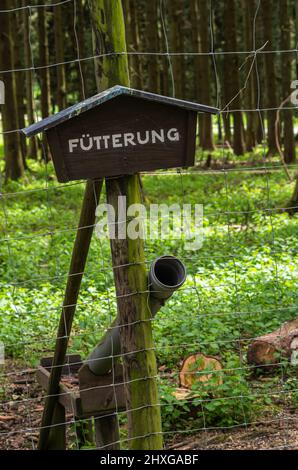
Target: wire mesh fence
x,y
241,284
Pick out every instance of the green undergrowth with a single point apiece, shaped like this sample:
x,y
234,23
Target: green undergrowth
x,y
240,284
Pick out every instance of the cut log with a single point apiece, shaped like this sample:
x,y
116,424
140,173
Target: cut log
x,y
200,368
268,349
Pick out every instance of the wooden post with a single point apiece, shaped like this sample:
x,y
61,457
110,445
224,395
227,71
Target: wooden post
x,y
77,266
140,370
139,362
107,432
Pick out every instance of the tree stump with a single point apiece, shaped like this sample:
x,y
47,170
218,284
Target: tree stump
x,y
198,368
194,367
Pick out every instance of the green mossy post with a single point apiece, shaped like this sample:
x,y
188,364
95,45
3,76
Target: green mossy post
x,y
139,361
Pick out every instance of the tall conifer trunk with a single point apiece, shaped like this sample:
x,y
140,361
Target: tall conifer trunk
x,y
44,73
231,75
287,114
59,46
248,9
14,167
270,75
28,78
206,136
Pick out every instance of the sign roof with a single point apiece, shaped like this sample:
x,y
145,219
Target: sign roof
x,y
103,97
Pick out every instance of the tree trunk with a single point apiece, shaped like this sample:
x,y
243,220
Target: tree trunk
x,y
14,167
194,20
152,46
28,79
44,62
165,65
83,66
206,137
44,71
270,77
175,45
19,81
132,29
139,362
231,77
59,46
249,8
268,349
287,114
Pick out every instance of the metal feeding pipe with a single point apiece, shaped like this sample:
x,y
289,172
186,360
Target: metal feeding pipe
x,y
166,275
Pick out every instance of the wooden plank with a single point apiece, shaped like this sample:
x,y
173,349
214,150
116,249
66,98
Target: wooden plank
x,y
101,393
68,398
73,362
97,396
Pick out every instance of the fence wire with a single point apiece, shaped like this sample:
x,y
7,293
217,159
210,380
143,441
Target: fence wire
x,y
230,297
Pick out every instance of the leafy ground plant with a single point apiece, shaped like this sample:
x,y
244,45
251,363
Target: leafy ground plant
x,y
240,284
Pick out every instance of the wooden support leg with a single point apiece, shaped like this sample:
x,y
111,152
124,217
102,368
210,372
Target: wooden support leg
x,y
57,436
77,266
107,432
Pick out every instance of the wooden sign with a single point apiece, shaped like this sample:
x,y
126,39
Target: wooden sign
x,y
121,131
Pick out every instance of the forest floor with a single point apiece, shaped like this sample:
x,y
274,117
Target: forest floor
x,y
20,409
20,420
274,433
241,284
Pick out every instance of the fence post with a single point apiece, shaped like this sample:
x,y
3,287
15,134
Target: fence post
x,y
139,361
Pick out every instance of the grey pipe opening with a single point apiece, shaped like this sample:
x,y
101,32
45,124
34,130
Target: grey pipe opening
x,y
166,275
